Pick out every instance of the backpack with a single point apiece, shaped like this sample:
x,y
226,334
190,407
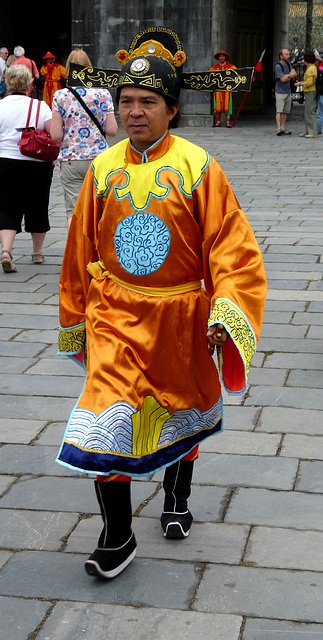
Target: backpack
x,y
319,82
292,81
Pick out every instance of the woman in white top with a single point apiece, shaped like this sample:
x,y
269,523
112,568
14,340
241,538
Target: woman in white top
x,y
81,139
24,182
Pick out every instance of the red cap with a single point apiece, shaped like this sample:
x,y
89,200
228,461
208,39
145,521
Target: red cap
x,y
224,53
48,56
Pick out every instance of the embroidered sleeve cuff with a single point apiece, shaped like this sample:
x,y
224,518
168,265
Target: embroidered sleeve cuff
x,y
71,340
234,375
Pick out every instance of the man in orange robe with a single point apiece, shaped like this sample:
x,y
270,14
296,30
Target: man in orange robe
x,y
155,216
52,72
222,100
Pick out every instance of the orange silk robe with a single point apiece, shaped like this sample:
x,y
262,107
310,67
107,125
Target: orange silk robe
x,y
158,222
52,74
222,100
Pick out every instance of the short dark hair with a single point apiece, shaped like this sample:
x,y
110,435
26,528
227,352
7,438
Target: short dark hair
x,y
309,56
171,102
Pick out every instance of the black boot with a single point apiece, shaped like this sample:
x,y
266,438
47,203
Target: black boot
x,y
176,518
117,544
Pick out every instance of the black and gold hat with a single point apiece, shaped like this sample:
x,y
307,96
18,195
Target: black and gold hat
x,y
153,62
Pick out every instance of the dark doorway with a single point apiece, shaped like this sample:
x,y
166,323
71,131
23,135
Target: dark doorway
x,y
37,28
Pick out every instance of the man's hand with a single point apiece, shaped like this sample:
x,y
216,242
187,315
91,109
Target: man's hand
x,y
216,336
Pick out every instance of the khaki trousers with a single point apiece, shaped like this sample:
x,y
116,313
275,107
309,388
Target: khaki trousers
x,y
310,113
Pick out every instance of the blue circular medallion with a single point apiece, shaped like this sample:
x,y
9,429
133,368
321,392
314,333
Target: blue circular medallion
x,y
142,242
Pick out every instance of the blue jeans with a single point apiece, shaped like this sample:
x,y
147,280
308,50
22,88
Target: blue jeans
x,y
319,114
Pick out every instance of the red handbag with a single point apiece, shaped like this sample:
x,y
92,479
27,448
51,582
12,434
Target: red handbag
x,y
36,143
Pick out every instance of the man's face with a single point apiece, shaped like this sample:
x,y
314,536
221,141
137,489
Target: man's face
x,y
285,55
145,116
222,58
4,53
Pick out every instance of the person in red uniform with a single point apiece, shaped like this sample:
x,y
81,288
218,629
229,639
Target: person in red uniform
x,y
53,72
222,100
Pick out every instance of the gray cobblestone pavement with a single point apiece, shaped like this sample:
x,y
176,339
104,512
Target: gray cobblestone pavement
x,y
252,567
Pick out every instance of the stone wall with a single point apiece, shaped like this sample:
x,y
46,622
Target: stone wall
x,y
204,26
107,26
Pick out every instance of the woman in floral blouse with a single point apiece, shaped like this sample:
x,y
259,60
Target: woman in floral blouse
x,y
81,139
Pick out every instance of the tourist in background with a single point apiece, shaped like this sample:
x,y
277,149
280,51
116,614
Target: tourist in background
x,y
81,138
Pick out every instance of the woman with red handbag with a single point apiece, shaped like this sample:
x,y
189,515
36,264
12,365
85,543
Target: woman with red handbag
x,y
24,182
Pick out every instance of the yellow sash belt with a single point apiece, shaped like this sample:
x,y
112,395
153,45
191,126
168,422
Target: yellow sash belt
x,y
97,270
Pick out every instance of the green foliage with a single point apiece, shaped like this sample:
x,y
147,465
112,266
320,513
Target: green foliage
x,y
297,28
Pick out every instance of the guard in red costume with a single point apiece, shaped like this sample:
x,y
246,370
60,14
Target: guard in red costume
x,y
52,72
222,100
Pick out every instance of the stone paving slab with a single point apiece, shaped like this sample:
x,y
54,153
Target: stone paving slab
x,y
287,285
36,309
284,305
283,331
25,298
207,542
69,621
293,347
37,385
52,435
257,629
64,494
280,548
300,446
4,557
206,503
59,366
18,287
310,477
15,365
312,379
19,431
32,460
61,576
240,418
300,361
20,617
286,294
271,256
35,408
294,250
34,335
286,420
262,593
269,377
29,322
8,334
288,509
20,350
242,443
6,482
315,333
246,470
277,317
308,318
315,306
285,397
39,530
